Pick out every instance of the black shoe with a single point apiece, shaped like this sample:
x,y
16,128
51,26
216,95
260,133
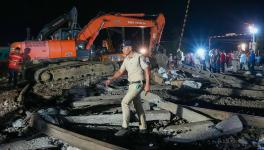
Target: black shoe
x,y
122,132
143,131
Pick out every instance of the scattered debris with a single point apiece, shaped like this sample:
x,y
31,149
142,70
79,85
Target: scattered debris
x,y
97,109
236,92
98,100
249,120
178,110
259,75
192,84
208,130
19,123
37,143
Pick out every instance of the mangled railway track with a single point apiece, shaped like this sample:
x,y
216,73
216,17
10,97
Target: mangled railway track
x,y
75,139
197,117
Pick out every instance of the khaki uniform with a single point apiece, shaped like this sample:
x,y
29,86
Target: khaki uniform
x,y
135,67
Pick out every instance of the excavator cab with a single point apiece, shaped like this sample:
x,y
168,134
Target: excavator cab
x,y
65,33
84,54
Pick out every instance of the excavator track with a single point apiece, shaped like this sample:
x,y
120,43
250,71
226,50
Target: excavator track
x,y
50,81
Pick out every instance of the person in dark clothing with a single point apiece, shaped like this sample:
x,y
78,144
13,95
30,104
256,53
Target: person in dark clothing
x,y
222,61
252,62
26,62
217,61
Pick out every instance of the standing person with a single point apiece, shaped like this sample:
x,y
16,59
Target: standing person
x,y
252,62
247,55
258,60
179,57
217,59
222,61
135,65
171,60
188,59
211,56
26,61
14,66
243,60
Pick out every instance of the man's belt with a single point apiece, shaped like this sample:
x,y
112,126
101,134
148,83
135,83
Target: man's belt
x,y
140,81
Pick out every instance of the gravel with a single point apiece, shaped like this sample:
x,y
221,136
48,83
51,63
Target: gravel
x,y
8,102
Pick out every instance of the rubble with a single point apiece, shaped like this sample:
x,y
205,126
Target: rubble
x,y
37,143
178,110
192,84
177,83
236,92
248,120
19,123
225,80
261,142
97,109
188,126
208,130
259,75
8,103
243,141
2,138
98,100
157,78
51,115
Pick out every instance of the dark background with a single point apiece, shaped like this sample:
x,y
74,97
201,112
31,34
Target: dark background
x,y
206,17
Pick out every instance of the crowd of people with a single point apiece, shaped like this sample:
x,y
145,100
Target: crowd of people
x,y
216,60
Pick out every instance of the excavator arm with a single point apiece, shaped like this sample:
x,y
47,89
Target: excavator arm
x,y
69,18
92,29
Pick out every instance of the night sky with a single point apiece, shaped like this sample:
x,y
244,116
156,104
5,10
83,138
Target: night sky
x,y
206,17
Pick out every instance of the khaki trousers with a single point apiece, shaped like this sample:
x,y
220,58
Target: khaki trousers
x,y
133,94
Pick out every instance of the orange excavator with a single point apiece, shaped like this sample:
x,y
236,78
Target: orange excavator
x,y
61,65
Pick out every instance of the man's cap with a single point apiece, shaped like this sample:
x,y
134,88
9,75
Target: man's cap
x,y
127,43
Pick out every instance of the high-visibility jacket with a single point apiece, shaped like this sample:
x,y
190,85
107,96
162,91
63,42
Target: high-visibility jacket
x,y
14,61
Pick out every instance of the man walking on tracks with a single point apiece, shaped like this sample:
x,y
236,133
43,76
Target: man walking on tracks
x,y
138,76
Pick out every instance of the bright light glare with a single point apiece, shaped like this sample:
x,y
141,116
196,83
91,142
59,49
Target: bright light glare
x,y
201,53
252,29
143,50
243,46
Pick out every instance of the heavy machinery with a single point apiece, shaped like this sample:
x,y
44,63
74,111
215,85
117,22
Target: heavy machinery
x,y
61,64
63,27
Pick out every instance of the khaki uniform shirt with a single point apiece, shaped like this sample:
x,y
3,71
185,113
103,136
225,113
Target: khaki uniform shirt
x,y
135,67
